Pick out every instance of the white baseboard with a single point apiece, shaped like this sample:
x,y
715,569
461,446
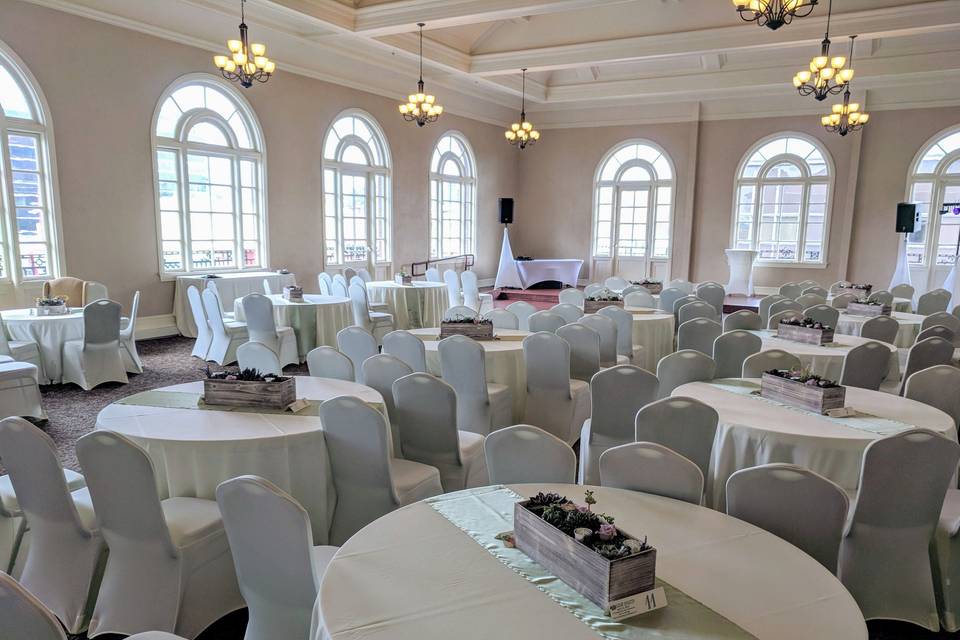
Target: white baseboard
x,y
156,326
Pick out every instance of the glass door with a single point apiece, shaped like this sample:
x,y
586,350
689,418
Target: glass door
x,y
355,229
945,235
633,231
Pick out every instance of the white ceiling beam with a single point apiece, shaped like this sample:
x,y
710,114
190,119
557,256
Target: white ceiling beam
x,y
485,36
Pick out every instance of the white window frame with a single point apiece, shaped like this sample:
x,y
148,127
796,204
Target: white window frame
x,y
182,147
939,180
468,181
41,127
806,180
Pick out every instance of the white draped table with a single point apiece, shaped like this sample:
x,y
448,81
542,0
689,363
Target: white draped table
x,y
413,306
826,360
414,574
850,324
193,449
565,270
653,330
755,431
903,305
315,321
230,286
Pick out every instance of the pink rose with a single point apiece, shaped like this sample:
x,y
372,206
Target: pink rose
x,y
606,531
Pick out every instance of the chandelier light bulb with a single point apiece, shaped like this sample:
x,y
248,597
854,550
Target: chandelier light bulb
x,y
773,14
247,62
258,49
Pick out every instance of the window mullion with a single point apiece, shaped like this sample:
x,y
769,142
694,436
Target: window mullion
x,y
185,231
802,225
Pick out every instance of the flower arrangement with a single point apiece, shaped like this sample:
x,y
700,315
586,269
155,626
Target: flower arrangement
x,y
808,323
461,319
605,295
854,285
55,301
867,301
476,328
402,277
803,376
245,375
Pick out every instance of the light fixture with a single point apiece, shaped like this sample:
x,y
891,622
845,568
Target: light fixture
x,y
421,107
845,117
522,134
246,62
773,13
827,75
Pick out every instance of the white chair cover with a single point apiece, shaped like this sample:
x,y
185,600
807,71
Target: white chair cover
x,y
617,394
776,318
358,344
640,299
523,310
226,337
94,291
348,273
808,300
96,358
942,319
204,336
682,367
668,297
524,453
325,282
616,282
592,288
379,373
502,319
866,366
651,468
633,288
684,425
327,362
883,297
364,275
731,348
838,286
607,330
128,339
624,322
843,300
460,311
572,296
713,294
471,292
24,616
20,350
925,354
882,328
683,285
555,403
679,303
20,390
408,348
339,286
936,387
755,365
825,314
569,312
545,321
933,301
817,290
262,328
744,319
698,334
785,305
363,317
481,406
584,350
357,280
256,355
903,291
433,275
791,290
806,284
885,553
454,296
938,331
278,567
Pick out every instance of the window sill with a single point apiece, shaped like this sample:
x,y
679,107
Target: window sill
x,y
790,265
172,276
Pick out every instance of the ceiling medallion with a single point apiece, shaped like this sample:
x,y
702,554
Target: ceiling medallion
x,y
420,107
247,62
522,134
773,14
827,75
845,117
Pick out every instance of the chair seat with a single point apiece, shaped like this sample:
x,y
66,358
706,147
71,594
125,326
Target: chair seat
x,y
380,316
13,370
24,350
471,444
379,306
414,481
623,359
235,326
191,519
8,497
320,557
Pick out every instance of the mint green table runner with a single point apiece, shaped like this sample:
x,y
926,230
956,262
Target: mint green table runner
x,y
487,511
190,400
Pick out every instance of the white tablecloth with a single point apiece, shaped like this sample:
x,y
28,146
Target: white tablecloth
x,y
413,574
851,325
503,362
754,431
315,321
566,271
194,450
413,306
654,332
903,305
827,360
230,285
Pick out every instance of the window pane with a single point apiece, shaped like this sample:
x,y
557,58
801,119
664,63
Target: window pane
x,y
167,120
12,98
206,133
24,152
34,260
636,174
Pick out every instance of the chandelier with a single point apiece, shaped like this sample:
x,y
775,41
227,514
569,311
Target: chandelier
x,y
773,13
845,117
420,107
827,75
522,134
246,62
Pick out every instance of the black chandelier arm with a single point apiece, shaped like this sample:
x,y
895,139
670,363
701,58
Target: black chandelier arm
x,y
776,14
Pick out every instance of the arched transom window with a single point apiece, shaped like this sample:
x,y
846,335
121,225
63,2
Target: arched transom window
x,y
782,200
934,181
29,238
210,179
453,197
357,214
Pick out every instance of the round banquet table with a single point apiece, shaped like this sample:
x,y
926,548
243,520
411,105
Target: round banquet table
x,y
903,305
653,330
754,431
503,362
826,360
413,306
195,449
851,325
315,321
414,574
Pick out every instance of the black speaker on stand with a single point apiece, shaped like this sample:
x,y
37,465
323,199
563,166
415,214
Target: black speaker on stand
x,y
506,210
906,217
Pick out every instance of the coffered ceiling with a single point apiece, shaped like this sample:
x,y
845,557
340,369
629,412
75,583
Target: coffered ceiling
x,y
591,61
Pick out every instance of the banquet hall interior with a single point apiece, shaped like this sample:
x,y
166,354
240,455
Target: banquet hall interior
x,y
475,319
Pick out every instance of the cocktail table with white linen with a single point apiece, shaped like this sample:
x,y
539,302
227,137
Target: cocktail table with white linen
x,y
653,330
825,360
851,325
413,306
230,286
315,321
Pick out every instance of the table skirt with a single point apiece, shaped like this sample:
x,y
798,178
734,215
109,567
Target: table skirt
x,y
413,307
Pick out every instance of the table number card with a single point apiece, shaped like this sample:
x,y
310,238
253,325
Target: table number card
x,y
638,604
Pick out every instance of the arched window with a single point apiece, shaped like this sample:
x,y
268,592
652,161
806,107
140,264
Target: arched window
x,y
356,191
934,180
209,171
782,200
633,208
29,235
453,197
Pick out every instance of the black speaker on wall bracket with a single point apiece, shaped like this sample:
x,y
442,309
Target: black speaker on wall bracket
x,y
906,217
506,210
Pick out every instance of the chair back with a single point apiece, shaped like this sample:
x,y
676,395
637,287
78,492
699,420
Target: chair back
x,y
755,365
810,300
357,280
903,291
427,420
633,288
73,289
668,297
361,307
640,299
462,366
713,294
617,394
791,290
616,283
545,321
348,273
592,289
607,330
256,355
682,367
933,301
453,287
883,297
471,290
730,349
808,284
325,282
651,468
24,617
379,373
882,328
569,312
572,296
866,366
843,300
358,344
327,362
547,358
839,286
684,425
817,290
526,454
679,303
130,331
211,306
101,324
261,325
924,354
776,318
624,321
584,350
339,286
204,334
938,331
942,319
502,319
460,312
785,305
927,386
433,275
824,314
698,334
408,348
764,305
523,310
683,285
744,319
364,275
697,309
792,503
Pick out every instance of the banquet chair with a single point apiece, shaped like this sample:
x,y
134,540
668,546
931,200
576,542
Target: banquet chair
x,y
95,291
369,481
679,303
67,552
592,289
883,297
262,327
681,367
839,286
348,273
764,305
584,350
698,334
885,555
379,373
942,319
607,330
937,330
408,348
625,347
933,301
744,319
204,336
684,425
267,289
651,468
945,554
640,299
956,311
20,390
755,365
376,307
924,354
824,314
903,291
633,288
785,305
339,286
225,336
569,312
616,283
683,285
616,395
523,310
789,314
460,311
23,615
481,406
866,366
433,275
427,428
128,339
325,282
668,296
555,402
527,454
358,344
95,358
928,386
228,316
807,284
843,300
572,296
19,350
178,543
357,280
278,567
731,348
502,319
364,275
791,290
714,294
808,300
327,362
260,357
816,290
793,503
471,292
545,321
364,317
454,295
73,289
882,328
697,309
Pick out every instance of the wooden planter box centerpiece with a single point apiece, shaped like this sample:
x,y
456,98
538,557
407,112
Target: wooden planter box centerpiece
x,y
860,289
403,279
583,549
869,309
601,299
52,306
249,389
293,294
654,287
479,329
806,331
805,391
